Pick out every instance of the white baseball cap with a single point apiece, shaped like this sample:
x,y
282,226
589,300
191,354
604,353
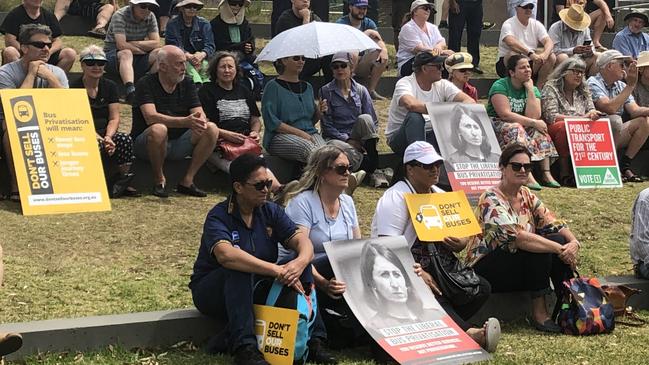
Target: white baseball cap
x,y
421,151
136,2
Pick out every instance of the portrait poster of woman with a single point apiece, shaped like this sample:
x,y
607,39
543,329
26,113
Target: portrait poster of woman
x,y
468,144
395,306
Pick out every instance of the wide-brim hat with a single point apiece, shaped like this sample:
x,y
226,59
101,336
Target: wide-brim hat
x,y
637,14
137,2
609,56
643,59
188,2
458,61
575,17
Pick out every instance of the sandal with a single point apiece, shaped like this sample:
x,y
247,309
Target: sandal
x,y
492,334
548,326
629,176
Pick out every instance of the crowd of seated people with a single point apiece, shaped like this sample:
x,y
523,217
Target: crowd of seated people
x,y
174,118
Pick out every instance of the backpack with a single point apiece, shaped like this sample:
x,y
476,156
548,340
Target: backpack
x,y
253,78
585,309
281,296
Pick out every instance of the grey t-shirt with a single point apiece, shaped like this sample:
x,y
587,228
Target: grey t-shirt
x,y
13,74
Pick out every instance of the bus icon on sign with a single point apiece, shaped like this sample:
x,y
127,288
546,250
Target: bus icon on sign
x,y
429,216
23,111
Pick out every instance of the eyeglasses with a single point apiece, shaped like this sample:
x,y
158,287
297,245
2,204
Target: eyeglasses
x,y
426,166
145,6
260,185
527,7
297,58
516,166
341,169
577,72
39,45
99,63
337,65
235,3
192,7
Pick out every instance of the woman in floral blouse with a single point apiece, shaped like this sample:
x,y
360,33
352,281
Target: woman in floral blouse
x,y
522,244
566,94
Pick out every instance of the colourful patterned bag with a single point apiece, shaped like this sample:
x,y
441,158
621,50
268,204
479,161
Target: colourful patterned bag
x,y
585,309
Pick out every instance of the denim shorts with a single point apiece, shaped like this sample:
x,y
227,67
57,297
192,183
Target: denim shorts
x,y
177,149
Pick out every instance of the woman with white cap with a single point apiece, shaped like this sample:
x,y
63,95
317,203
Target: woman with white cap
x,y
232,31
460,69
419,35
116,146
192,34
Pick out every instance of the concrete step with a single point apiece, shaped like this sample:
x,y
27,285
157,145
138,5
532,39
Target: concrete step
x,y
166,328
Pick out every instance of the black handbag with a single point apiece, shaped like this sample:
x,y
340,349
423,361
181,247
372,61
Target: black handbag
x,y
457,282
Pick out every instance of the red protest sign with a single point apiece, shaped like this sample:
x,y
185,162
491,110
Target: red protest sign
x,y
591,143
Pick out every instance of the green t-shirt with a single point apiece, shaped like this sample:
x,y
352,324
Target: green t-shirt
x,y
517,97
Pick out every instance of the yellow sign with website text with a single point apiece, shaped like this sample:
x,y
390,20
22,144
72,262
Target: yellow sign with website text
x,y
55,154
276,329
440,215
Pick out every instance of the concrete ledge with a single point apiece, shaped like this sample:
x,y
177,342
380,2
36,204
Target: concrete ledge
x,y
165,328
149,329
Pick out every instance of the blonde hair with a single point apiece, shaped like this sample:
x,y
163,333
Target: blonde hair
x,y
320,160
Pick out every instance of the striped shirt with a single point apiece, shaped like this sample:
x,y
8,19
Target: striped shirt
x,y
639,239
123,22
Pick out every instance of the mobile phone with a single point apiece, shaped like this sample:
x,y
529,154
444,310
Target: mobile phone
x,y
587,43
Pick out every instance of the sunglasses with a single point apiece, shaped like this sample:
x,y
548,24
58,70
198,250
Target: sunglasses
x,y
99,63
527,7
145,6
192,7
297,58
516,166
40,45
427,166
235,3
338,65
260,185
341,169
465,70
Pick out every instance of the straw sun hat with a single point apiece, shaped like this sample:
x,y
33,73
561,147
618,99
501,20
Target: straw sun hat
x,y
575,17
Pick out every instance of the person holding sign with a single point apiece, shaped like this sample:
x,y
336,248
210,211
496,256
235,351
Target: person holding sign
x,y
392,218
319,206
614,97
566,94
522,244
169,122
104,104
30,71
515,106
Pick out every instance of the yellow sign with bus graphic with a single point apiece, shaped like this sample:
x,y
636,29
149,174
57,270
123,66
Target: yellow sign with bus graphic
x,y
276,329
55,154
440,215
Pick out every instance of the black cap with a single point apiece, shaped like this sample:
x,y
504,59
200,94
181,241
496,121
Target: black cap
x,y
424,58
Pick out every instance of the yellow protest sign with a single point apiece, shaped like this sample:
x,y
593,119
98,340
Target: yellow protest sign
x,y
55,153
440,215
276,329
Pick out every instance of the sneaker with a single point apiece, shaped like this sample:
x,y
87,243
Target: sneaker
x,y
160,191
443,24
376,96
249,355
488,25
99,33
280,196
190,190
378,180
388,173
319,354
355,179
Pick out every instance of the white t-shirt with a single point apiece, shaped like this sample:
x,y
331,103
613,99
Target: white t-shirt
x,y
442,91
530,35
391,217
411,36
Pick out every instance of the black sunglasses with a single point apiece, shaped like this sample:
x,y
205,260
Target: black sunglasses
x,y
39,45
341,169
337,65
146,6
260,185
297,58
427,166
527,7
192,7
99,63
516,166
235,3
465,70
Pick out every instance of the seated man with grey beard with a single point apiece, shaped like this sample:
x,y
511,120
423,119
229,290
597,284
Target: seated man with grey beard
x,y
169,122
